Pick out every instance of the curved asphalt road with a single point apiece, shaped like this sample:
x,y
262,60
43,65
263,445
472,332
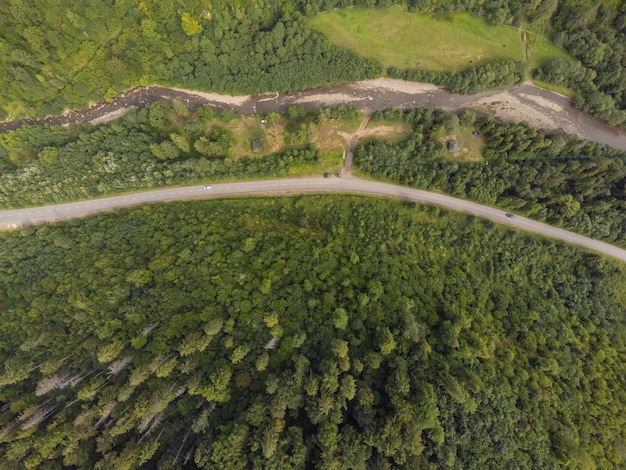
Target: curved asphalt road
x,y
11,219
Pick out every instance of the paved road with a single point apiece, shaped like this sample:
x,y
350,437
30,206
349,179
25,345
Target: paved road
x,y
40,215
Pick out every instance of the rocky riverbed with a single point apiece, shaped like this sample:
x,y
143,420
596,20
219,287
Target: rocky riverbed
x,y
523,102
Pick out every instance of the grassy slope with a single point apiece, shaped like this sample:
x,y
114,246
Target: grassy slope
x,y
400,39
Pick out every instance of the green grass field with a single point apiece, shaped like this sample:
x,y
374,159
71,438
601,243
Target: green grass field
x,y
541,50
454,43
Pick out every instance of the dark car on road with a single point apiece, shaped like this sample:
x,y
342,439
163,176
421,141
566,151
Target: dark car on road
x,y
510,216
338,175
326,175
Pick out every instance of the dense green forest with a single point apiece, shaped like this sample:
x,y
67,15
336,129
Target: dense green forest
x,y
471,80
54,56
310,332
162,145
596,35
544,175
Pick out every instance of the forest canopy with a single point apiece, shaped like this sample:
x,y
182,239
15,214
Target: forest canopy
x,y
54,56
596,35
309,332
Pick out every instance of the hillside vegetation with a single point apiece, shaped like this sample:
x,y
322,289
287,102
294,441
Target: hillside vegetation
x,y
312,332
595,33
55,56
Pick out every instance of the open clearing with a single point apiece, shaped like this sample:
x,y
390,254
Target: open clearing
x,y
278,134
470,146
409,40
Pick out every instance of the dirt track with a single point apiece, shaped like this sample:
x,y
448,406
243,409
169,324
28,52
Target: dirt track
x,y
524,102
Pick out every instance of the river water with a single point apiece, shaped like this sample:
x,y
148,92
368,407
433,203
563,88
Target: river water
x,y
523,102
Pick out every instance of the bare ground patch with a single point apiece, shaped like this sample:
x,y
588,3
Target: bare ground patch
x,y
246,130
391,133
328,138
470,146
216,98
398,86
509,108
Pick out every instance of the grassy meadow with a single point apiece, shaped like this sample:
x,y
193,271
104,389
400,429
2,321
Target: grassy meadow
x,y
448,43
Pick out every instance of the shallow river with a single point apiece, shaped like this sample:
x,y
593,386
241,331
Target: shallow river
x,y
523,102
